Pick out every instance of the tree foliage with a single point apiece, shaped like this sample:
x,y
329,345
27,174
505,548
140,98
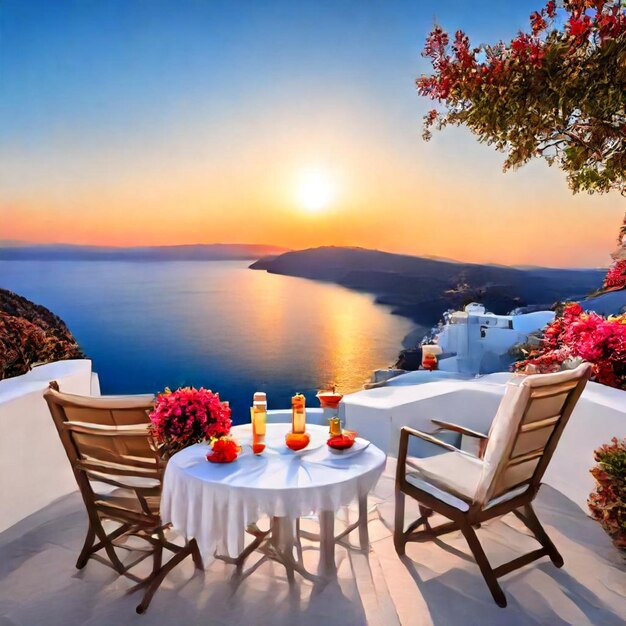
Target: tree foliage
x,y
556,92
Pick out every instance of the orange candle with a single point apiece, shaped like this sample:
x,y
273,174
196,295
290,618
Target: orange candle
x,y
298,414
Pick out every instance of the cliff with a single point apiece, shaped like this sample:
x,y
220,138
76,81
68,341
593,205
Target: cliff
x,y
422,288
29,334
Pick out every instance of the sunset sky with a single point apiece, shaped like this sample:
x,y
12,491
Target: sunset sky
x,y
287,123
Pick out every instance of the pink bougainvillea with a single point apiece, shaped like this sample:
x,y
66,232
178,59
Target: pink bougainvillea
x,y
615,278
188,415
581,336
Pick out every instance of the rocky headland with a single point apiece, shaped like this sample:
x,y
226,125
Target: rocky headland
x,y
29,334
422,288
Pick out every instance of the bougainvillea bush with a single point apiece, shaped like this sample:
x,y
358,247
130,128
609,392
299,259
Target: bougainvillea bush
x,y
616,276
556,91
189,415
577,336
607,502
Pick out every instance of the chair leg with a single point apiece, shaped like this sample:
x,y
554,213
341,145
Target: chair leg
x,y
298,541
157,559
425,512
422,520
155,581
195,554
533,524
85,553
483,564
399,540
106,541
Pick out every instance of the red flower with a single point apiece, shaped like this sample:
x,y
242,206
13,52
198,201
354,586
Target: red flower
x,y
579,27
537,22
431,116
520,44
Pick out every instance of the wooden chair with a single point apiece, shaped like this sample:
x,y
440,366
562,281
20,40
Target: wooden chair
x,y
107,441
469,490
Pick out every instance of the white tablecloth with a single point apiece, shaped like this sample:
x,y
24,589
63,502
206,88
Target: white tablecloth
x,y
213,502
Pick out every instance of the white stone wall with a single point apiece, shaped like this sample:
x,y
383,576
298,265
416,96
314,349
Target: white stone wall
x,y
34,469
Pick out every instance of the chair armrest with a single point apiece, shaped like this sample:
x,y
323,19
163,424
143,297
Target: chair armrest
x,y
405,433
457,428
426,437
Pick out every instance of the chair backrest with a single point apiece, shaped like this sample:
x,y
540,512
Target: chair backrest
x,y
527,428
107,439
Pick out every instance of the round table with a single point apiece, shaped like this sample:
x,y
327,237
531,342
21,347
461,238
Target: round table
x,y
214,503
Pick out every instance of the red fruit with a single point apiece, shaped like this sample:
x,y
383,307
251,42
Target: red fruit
x,y
224,450
340,442
297,441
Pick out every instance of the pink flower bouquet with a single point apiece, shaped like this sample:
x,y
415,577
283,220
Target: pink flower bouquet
x,y
187,416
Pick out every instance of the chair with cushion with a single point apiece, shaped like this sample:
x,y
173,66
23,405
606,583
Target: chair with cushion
x,y
504,478
119,472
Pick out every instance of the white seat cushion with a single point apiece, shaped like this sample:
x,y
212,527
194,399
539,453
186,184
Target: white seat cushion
x,y
452,472
457,503
434,491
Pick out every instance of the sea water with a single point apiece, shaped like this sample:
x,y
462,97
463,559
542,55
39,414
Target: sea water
x,y
217,324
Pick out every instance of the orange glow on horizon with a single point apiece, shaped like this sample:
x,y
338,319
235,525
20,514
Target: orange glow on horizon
x,y
437,202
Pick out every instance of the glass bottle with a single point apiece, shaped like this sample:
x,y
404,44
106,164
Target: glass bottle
x,y
298,414
258,415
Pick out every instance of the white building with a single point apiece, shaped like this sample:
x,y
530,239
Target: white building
x,y
479,342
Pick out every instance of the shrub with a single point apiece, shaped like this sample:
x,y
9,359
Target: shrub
x,y
607,502
578,336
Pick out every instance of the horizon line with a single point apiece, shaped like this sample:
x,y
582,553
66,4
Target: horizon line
x,y
11,244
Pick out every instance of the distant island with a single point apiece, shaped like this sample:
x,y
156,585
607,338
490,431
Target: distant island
x,y
19,251
422,288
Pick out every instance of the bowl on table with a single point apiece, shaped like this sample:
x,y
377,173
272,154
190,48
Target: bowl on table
x,y
338,444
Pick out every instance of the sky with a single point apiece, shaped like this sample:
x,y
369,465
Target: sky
x,y
145,122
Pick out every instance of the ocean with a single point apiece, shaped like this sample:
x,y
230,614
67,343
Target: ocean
x,y
217,324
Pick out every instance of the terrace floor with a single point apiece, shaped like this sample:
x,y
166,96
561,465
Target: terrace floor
x,y
437,583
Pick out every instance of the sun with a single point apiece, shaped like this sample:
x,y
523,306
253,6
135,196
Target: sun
x,y
315,190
